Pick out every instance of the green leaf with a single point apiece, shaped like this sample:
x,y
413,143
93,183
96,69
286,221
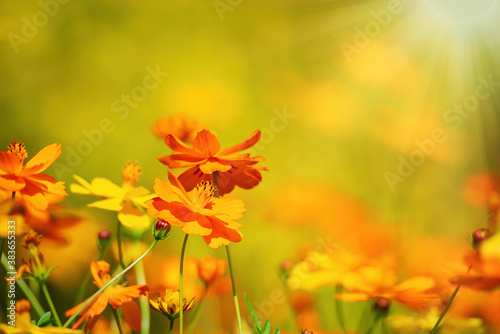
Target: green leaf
x,y
277,331
252,313
267,327
44,319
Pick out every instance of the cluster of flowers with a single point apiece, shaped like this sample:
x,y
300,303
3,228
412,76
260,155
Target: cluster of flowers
x,y
362,267
191,202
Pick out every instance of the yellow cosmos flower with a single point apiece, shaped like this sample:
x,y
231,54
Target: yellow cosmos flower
x,y
127,200
169,305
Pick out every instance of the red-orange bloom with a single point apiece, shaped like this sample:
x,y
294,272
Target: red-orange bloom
x,y
484,273
178,125
197,211
27,179
210,269
205,157
117,296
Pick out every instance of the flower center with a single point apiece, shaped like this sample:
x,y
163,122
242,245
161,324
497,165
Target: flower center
x,y
131,173
203,192
18,149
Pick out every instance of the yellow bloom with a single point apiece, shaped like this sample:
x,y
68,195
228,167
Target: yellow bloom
x,y
126,200
169,304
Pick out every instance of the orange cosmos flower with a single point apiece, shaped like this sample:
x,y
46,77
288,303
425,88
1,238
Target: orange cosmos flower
x,y
126,199
197,211
178,125
205,157
117,296
210,269
376,283
28,179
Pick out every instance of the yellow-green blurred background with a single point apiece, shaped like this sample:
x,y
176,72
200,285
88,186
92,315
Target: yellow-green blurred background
x,y
361,81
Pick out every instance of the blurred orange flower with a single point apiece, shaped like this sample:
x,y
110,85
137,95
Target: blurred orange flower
x,y
205,157
371,282
210,269
480,187
178,125
126,200
28,179
484,273
197,211
117,296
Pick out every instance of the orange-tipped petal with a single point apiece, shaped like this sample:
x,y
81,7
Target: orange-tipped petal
x,y
9,163
251,141
207,143
42,160
214,165
132,315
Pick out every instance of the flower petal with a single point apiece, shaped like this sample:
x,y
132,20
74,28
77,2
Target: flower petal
x,y
251,141
232,208
206,143
352,297
9,163
132,315
214,165
131,216
42,160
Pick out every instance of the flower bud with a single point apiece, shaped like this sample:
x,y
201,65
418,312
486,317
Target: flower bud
x,y
479,236
382,305
285,268
104,236
306,331
161,230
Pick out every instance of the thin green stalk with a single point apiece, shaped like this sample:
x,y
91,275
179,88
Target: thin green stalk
x,y
143,301
51,304
88,280
445,310
340,310
181,296
114,279
26,290
117,320
171,326
119,241
235,295
447,307
228,253
375,321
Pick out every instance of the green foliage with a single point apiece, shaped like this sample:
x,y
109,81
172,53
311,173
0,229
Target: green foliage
x,y
267,324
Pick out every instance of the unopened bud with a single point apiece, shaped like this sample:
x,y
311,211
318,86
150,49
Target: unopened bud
x,y
480,235
161,230
306,331
382,305
104,236
285,268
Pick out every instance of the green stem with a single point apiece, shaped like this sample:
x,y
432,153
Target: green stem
x,y
447,307
445,310
117,320
114,279
181,296
340,310
235,295
88,280
375,321
26,290
143,301
119,241
51,304
233,281
171,326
